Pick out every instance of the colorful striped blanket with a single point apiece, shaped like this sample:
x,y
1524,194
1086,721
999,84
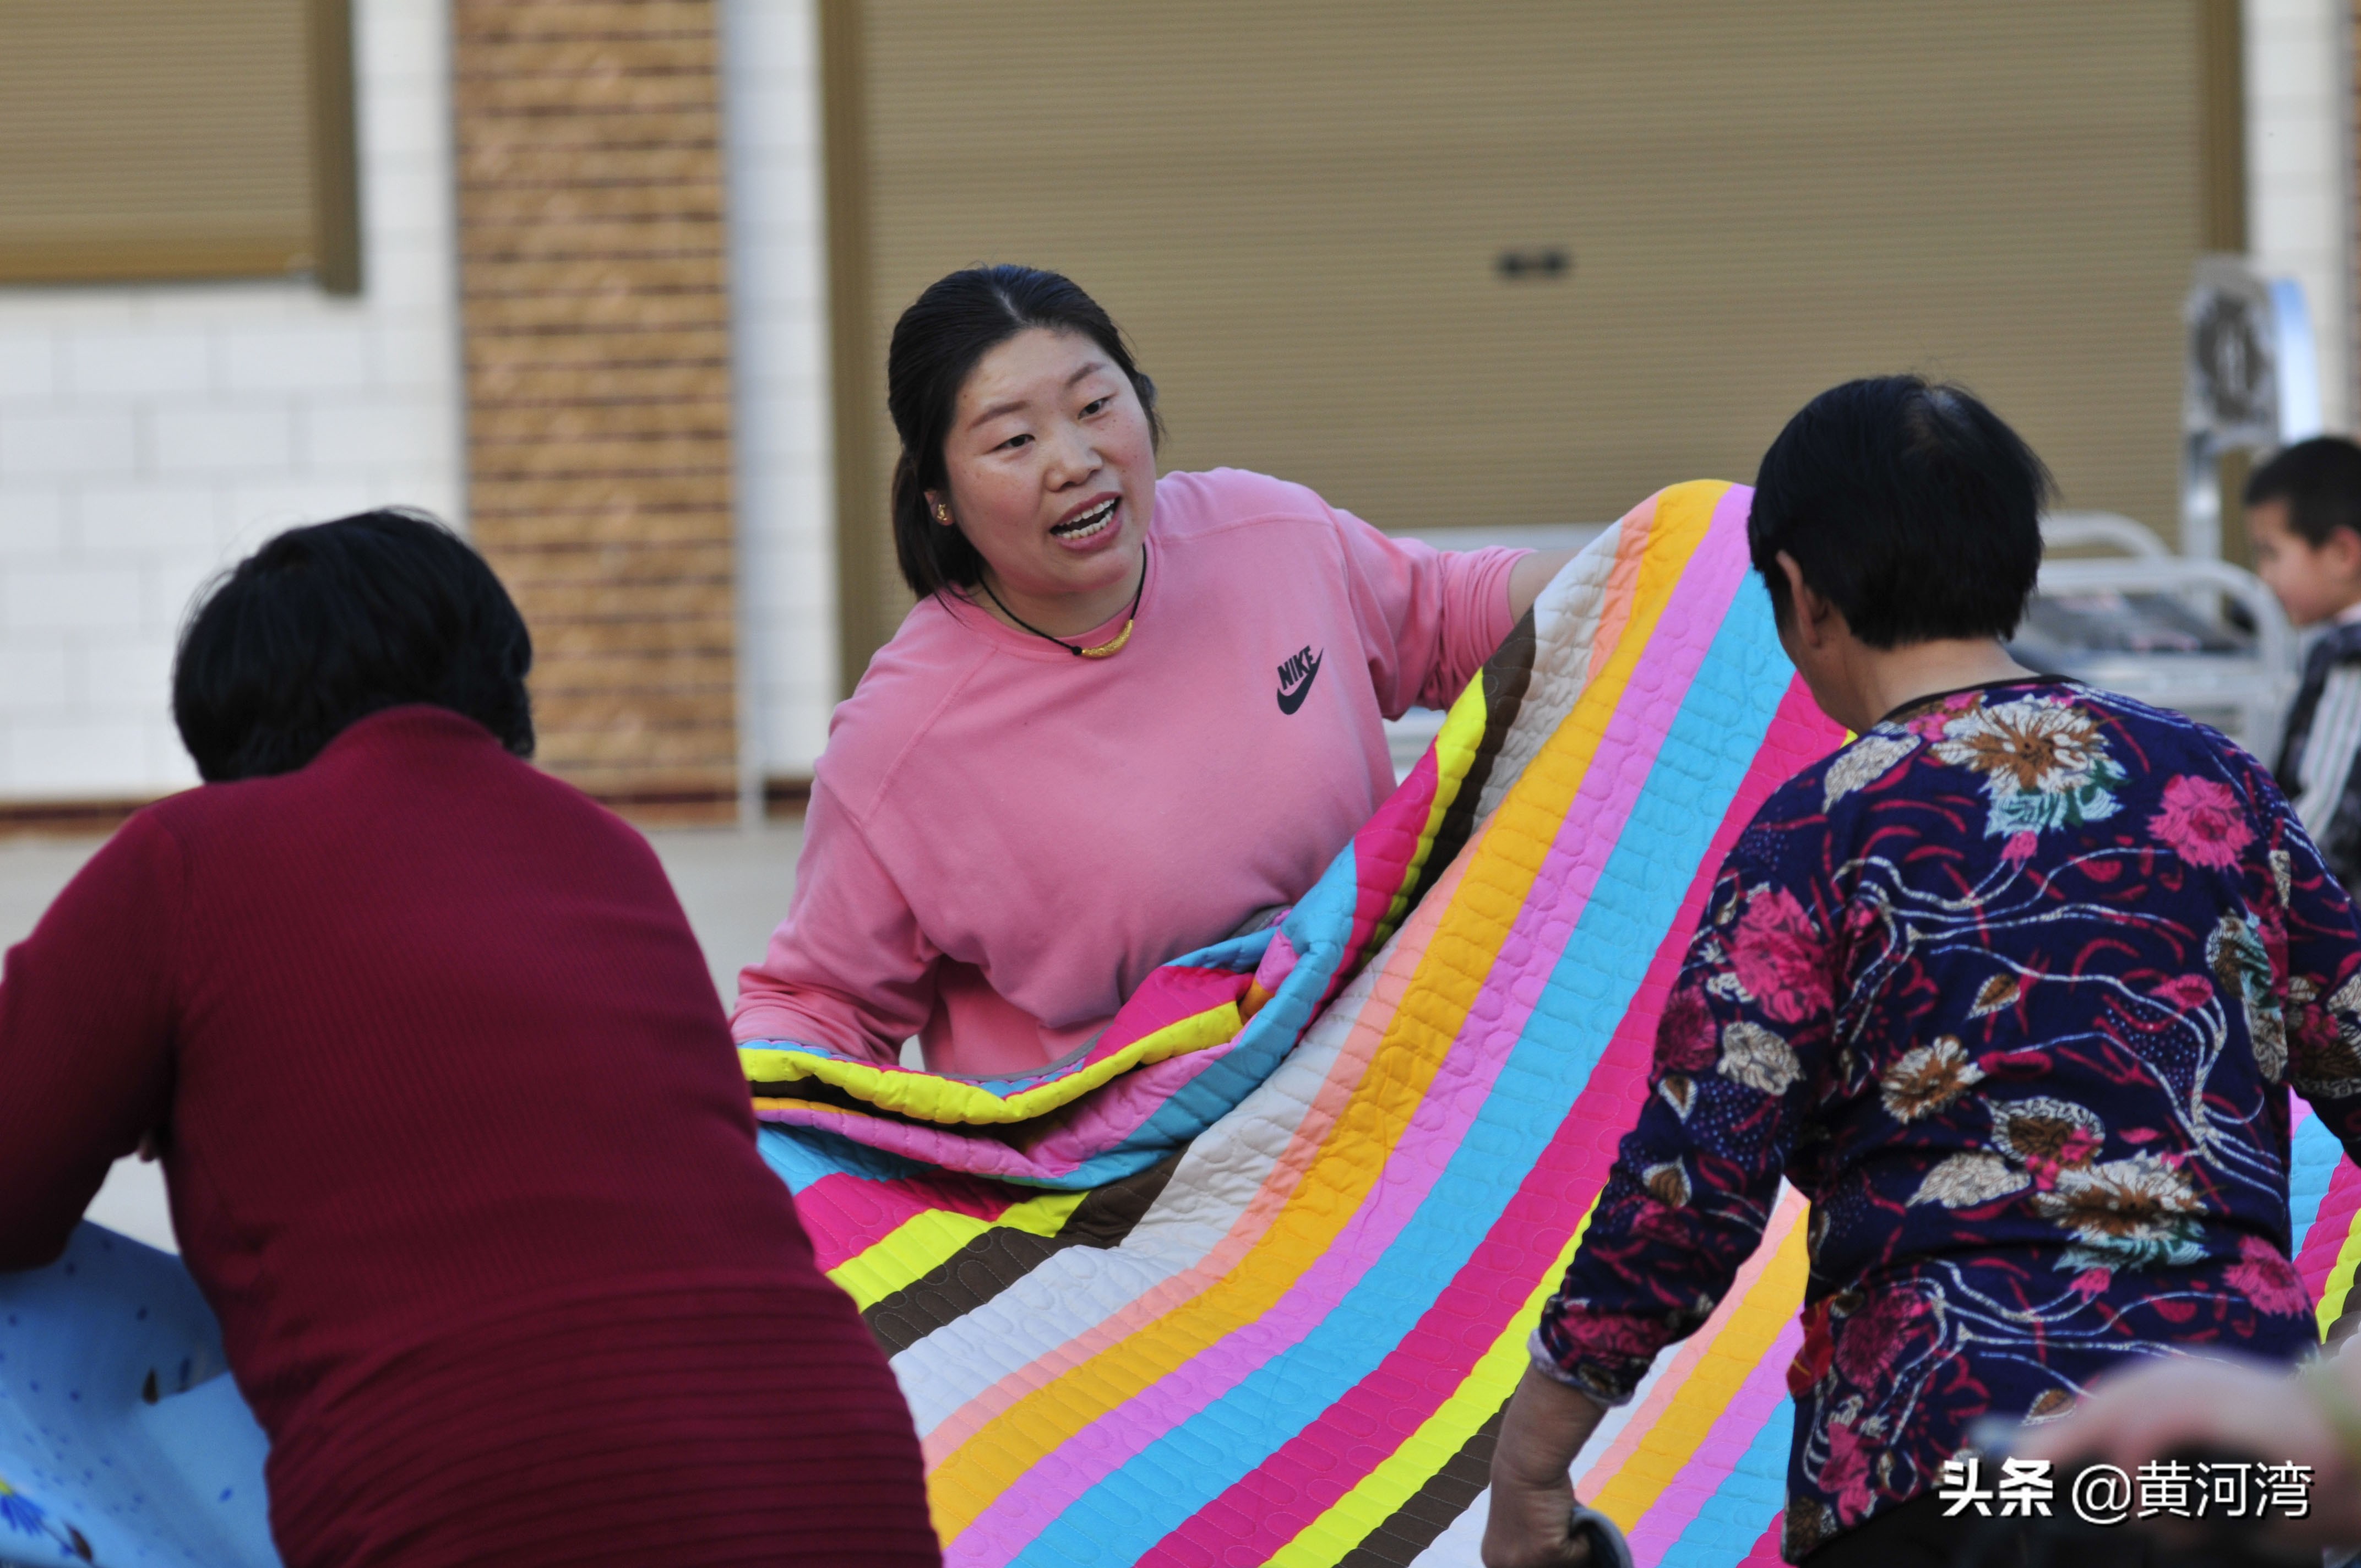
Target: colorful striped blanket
x,y
1278,1237
1248,1279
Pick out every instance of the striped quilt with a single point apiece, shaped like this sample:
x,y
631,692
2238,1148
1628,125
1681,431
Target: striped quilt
x,y
1249,1281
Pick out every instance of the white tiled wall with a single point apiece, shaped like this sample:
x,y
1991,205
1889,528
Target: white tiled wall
x,y
150,434
2299,168
787,570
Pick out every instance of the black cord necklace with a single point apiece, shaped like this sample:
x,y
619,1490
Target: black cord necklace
x,y
1106,650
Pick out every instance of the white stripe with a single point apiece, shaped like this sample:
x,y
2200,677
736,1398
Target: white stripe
x,y
2329,751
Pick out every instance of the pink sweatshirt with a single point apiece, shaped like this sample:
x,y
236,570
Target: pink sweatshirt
x,y
1004,839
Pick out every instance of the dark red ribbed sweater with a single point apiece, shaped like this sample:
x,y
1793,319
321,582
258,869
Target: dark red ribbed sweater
x,y
460,1152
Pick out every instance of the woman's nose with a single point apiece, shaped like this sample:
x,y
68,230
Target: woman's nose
x,y
1073,457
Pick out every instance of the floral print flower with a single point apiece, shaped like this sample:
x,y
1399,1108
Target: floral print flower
x,y
1878,1335
2046,1137
2044,763
1969,1181
2266,1277
2242,966
1926,1078
1685,1035
20,1512
1754,1056
1808,1525
1863,763
2328,1066
2203,822
2126,1213
1998,994
1779,956
1847,1474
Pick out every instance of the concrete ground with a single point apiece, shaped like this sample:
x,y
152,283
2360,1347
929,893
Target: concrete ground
x,y
732,883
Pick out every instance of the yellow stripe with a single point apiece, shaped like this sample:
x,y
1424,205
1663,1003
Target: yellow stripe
x,y
1448,978
1348,1521
931,1099
1711,1385
2340,1277
1455,753
926,1242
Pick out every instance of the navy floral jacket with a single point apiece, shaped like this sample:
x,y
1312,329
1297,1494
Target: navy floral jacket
x,y
2013,988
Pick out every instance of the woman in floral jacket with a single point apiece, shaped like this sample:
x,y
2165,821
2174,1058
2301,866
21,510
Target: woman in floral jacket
x,y
2013,988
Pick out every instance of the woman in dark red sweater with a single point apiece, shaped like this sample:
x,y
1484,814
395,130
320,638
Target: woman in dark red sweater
x,y
456,1142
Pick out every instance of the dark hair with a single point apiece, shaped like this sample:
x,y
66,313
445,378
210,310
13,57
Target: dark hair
x,y
958,320
1908,505
327,624
2320,479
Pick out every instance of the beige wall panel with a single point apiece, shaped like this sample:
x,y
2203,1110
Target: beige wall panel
x,y
1295,212
154,139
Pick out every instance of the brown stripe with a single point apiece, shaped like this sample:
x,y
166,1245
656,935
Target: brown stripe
x,y
1506,675
1412,1527
1003,1255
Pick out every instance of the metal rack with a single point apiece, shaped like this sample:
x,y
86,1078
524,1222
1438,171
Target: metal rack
x,y
2204,637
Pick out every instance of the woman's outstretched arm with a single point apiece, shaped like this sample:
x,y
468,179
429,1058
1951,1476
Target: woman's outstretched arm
x,y
85,1030
1528,576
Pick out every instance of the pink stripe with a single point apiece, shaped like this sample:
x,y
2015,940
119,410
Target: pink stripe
x,y
1733,1433
846,1215
1544,921
1383,849
1766,1546
1170,993
1307,1473
2330,1229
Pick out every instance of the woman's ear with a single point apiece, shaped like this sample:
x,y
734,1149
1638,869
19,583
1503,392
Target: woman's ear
x,y
937,509
1810,610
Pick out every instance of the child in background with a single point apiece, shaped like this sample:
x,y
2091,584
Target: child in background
x,y
2303,516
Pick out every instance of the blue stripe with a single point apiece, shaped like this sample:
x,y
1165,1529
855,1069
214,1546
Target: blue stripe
x,y
1743,1505
2313,1156
1712,743
805,1155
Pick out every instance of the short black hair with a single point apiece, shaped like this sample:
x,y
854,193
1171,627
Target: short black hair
x,y
2320,479
937,344
327,624
1908,505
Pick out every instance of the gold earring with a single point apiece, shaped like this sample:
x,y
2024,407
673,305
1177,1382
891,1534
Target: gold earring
x,y
942,512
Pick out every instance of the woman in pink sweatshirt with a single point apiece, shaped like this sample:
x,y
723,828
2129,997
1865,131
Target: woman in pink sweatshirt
x,y
1127,716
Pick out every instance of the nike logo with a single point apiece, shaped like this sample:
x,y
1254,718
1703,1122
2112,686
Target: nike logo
x,y
1295,678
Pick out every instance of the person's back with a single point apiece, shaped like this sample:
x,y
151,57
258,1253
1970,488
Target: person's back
x,y
458,1150
2077,950
2012,988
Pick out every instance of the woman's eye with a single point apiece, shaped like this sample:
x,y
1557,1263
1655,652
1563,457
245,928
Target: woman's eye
x,y
1094,405
1012,444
